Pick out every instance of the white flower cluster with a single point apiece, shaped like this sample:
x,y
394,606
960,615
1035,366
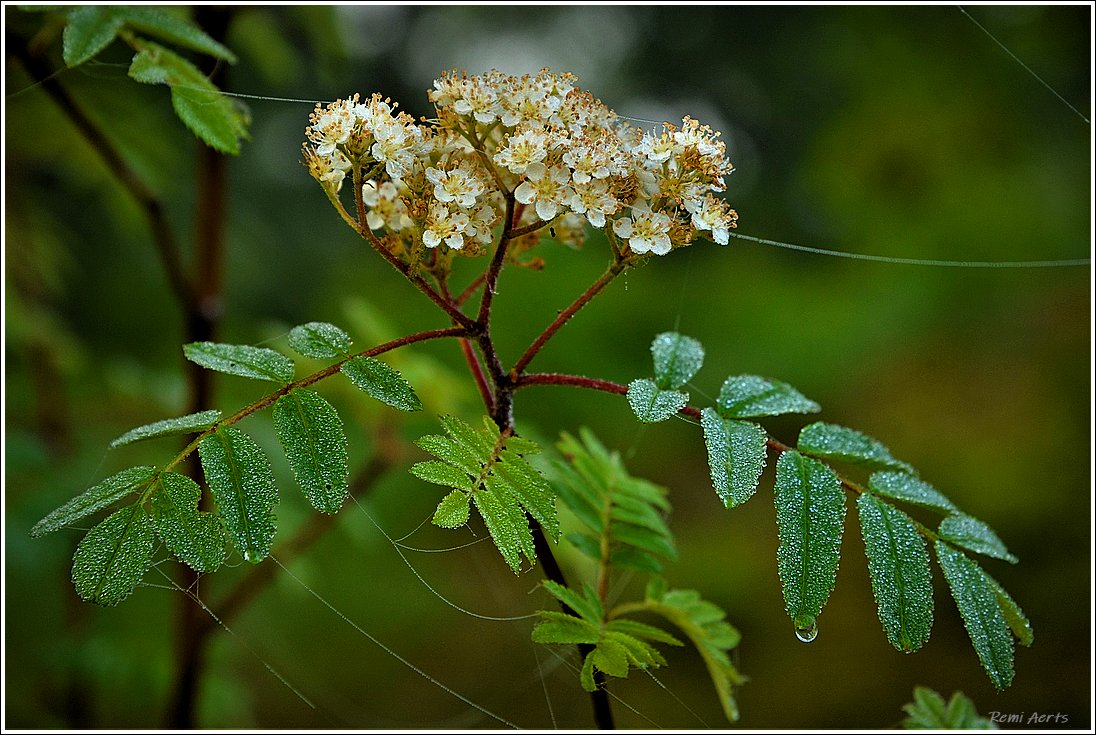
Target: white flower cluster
x,y
561,154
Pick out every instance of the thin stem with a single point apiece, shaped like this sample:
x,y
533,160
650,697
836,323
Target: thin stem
x,y
474,286
614,270
606,386
517,232
492,277
476,368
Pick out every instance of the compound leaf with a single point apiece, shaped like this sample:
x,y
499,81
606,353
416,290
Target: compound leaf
x,y
312,436
830,441
901,578
381,382
810,518
906,487
677,359
113,556
750,396
976,599
320,340
928,711
974,535
100,496
704,624
196,537
242,482
651,404
558,627
189,424
88,30
507,525
242,360
736,456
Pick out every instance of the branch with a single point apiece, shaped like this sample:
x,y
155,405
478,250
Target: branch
x,y
477,372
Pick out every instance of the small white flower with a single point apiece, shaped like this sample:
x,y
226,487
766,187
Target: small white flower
x,y
444,226
645,231
386,209
714,215
595,201
522,149
548,187
481,227
461,185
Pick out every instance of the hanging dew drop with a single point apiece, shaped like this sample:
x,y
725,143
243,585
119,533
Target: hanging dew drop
x,y
806,628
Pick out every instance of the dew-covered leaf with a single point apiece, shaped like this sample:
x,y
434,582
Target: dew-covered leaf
x,y
1014,616
381,382
750,396
651,404
196,537
677,359
189,424
985,622
830,441
113,556
320,340
242,482
312,436
704,624
95,498
174,30
453,510
242,360
810,518
736,456
906,487
212,117
441,473
88,30
974,535
901,578
507,525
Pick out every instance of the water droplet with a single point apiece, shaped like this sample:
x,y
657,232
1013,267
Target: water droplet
x,y
806,628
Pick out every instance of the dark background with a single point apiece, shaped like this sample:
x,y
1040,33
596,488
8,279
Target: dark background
x,y
892,130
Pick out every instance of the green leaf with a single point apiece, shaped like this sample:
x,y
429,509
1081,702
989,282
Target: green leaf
x,y
974,535
381,382
985,622
189,424
1014,616
677,359
503,486
507,525
453,510
320,340
901,578
242,360
750,396
736,456
902,486
651,404
928,711
88,30
704,624
196,537
810,518
113,556
100,496
586,606
174,30
242,482
312,436
558,627
212,117
829,441
611,657
441,473
636,629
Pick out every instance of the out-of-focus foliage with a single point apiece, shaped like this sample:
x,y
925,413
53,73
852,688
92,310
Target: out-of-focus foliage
x,y
888,130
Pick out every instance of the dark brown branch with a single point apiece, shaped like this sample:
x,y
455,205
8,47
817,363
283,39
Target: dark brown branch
x,y
477,373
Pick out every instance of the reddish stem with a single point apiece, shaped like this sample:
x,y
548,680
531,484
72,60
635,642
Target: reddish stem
x,y
476,368
581,381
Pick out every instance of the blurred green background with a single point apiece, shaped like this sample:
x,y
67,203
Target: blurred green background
x,y
899,131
